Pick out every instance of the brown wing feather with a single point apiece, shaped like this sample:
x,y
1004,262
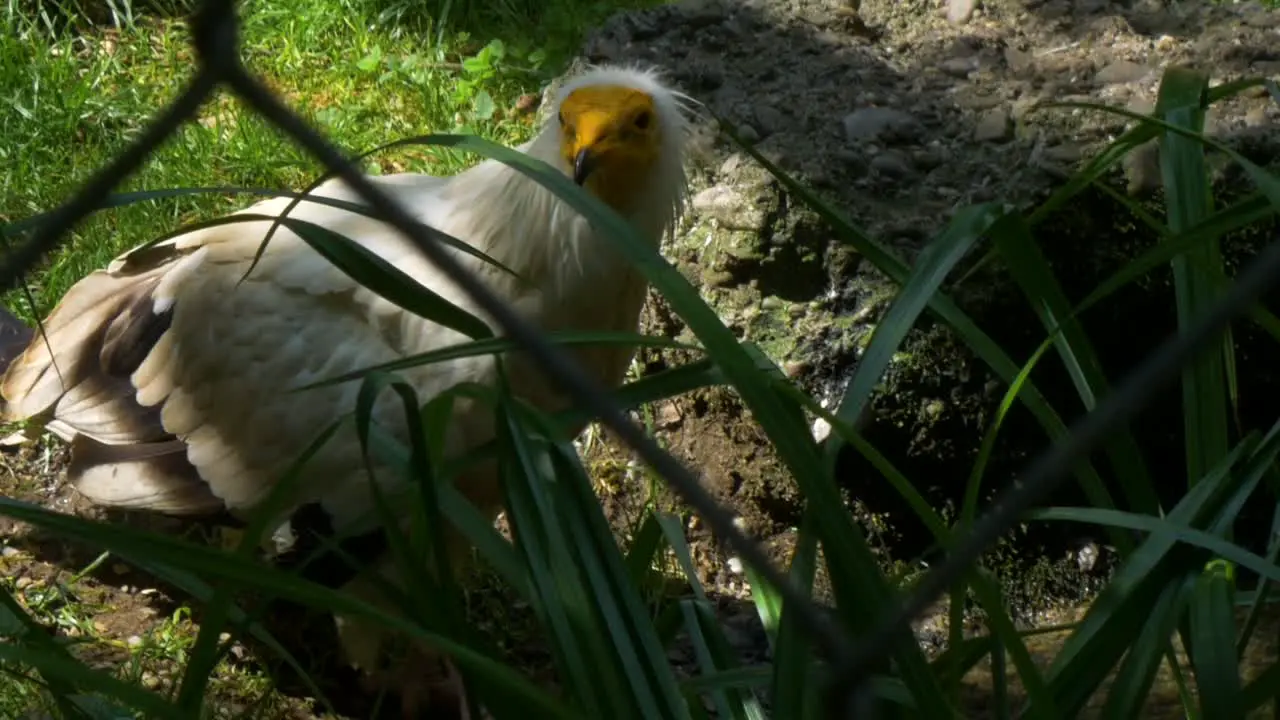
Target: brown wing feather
x,y
148,476
78,371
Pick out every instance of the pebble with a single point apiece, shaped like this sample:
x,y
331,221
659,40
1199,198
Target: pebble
x,y
1142,169
994,125
893,164
880,123
852,161
959,67
728,207
1121,71
959,11
1064,153
928,159
769,120
1017,61
821,429
1087,557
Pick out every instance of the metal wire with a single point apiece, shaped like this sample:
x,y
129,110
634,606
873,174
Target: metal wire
x,y
215,29
214,33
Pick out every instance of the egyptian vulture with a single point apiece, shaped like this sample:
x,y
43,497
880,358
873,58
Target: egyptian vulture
x,y
170,378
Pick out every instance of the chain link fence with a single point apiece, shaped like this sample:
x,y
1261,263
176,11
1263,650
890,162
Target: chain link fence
x,y
215,28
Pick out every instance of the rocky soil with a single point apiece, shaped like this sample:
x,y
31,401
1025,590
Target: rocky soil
x,y
899,116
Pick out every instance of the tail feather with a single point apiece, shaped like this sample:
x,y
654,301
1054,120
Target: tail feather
x,y
148,476
68,370
75,378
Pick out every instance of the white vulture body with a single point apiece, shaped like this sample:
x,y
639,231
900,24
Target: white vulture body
x,y
172,379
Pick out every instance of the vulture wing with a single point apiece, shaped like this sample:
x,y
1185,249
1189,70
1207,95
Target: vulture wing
x,y
172,378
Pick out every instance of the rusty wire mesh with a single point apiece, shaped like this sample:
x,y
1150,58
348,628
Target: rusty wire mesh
x,y
214,28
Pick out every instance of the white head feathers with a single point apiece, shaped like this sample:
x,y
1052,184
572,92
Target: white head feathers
x,y
524,226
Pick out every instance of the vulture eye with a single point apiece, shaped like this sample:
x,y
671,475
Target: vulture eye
x,y
643,120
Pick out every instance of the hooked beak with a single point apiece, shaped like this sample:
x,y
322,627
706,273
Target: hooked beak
x,y
583,164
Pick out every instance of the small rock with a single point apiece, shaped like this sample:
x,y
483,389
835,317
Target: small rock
x,y
728,207
1141,104
892,164
1265,67
23,582
730,165
769,120
1142,169
602,49
821,429
959,11
1121,71
701,13
1261,17
9,552
880,123
1016,60
719,278
668,416
927,159
852,161
972,98
133,641
994,125
959,67
795,368
1064,153
1087,557
748,134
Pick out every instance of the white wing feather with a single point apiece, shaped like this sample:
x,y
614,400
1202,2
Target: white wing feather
x,y
167,353
219,373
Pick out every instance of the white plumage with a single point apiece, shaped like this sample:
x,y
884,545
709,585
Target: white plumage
x,y
170,378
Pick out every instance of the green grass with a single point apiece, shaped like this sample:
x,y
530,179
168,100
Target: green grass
x,y
1177,576
363,71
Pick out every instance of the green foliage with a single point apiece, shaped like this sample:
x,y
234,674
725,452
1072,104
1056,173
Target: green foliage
x,y
589,595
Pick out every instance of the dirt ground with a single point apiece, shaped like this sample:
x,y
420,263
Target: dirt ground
x,y
899,116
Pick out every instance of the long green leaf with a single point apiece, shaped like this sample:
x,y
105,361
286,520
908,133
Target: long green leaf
x,y
1213,651
1031,271
1189,201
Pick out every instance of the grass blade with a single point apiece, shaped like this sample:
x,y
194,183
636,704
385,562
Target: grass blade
x,y
1213,654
